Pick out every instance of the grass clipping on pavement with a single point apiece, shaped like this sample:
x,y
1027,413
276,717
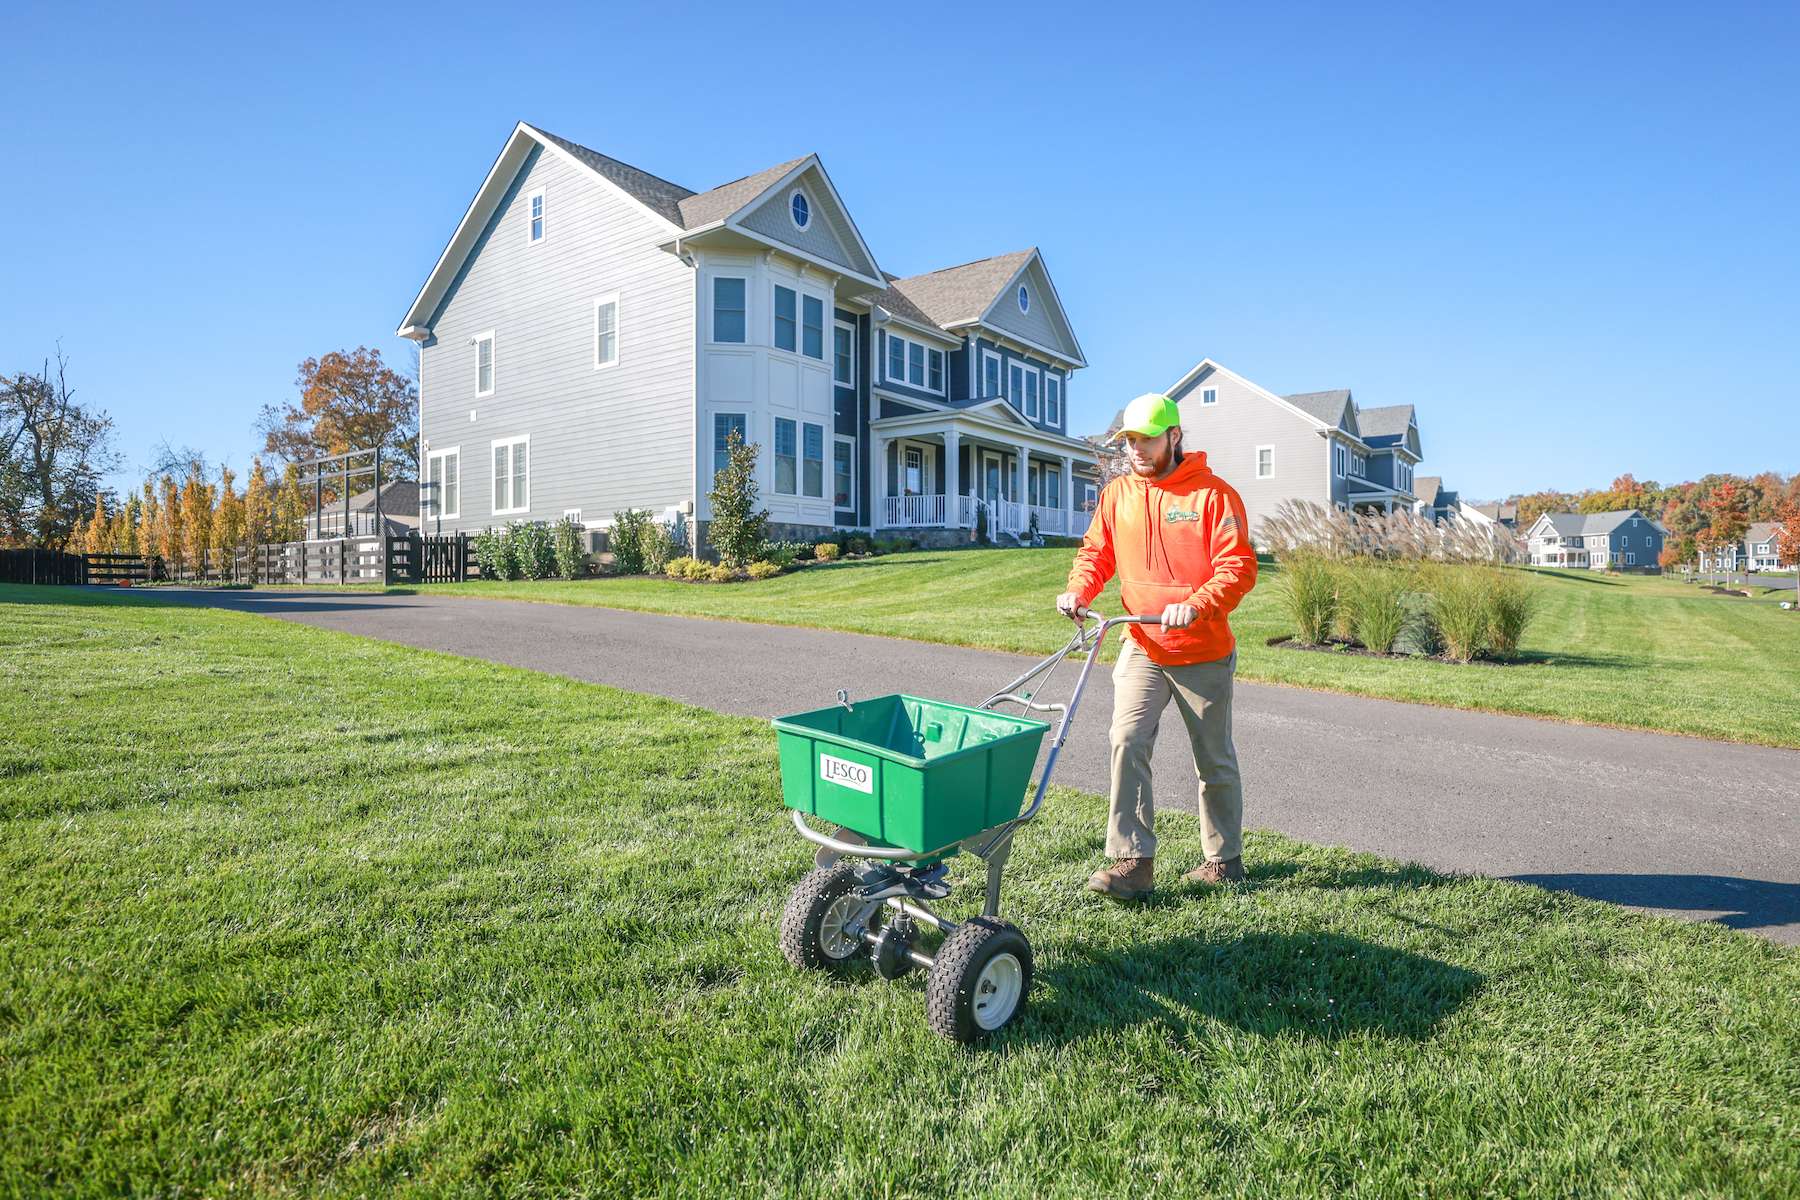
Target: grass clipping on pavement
x,y
289,911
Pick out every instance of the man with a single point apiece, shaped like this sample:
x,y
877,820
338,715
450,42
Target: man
x,y
1175,534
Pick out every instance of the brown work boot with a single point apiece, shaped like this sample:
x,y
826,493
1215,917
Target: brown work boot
x,y
1217,870
1126,879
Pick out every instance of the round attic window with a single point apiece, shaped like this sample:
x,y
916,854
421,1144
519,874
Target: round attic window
x,y
1024,299
800,210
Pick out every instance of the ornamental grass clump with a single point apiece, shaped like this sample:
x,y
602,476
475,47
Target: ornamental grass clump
x,y
1460,610
1309,589
1373,598
1513,600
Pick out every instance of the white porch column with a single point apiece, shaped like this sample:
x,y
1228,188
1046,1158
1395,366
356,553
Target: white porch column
x,y
877,480
1022,497
1067,483
952,478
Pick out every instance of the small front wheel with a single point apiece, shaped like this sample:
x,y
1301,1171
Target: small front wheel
x,y
979,981
815,924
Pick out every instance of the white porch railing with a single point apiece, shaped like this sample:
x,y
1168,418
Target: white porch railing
x,y
912,511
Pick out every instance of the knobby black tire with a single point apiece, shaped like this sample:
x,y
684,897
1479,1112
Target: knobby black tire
x,y
950,988
804,913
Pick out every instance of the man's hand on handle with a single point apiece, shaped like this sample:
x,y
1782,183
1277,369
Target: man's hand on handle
x,y
1174,616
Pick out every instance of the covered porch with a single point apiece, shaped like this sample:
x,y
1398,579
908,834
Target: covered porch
x,y
934,470
1366,495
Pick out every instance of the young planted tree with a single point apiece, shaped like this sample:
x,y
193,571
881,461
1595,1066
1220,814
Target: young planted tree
x,y
738,526
1787,540
1728,517
227,535
168,526
95,537
259,505
196,521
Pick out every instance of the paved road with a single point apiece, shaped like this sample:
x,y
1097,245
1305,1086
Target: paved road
x,y
1686,827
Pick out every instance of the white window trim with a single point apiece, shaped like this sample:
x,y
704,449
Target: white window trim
x,y
493,362
826,464
1340,454
1035,396
611,298
1209,397
1256,462
712,310
800,192
1024,368
999,375
521,440
775,456
826,349
544,216
851,326
1044,390
713,434
1022,297
838,439
437,496
905,357
775,316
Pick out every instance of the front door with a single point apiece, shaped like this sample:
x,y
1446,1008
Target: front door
x,y
991,475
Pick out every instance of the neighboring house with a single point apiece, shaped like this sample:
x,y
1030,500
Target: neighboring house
x,y
593,334
399,512
1621,541
1502,513
1435,502
1759,551
1316,446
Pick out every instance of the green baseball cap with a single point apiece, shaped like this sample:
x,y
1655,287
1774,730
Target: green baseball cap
x,y
1149,415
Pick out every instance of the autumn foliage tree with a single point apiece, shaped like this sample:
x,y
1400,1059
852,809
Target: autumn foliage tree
x,y
349,400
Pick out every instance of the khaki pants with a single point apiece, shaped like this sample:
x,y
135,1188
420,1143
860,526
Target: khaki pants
x,y
1141,690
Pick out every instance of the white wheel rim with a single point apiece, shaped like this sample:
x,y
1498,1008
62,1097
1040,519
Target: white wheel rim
x,y
997,991
832,939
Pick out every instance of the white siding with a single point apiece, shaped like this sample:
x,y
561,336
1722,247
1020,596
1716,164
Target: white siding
x,y
601,440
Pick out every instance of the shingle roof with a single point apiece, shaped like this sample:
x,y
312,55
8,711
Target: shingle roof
x,y
1499,511
1326,406
1386,423
958,295
1761,531
398,499
719,203
1426,488
658,195
1568,524
898,303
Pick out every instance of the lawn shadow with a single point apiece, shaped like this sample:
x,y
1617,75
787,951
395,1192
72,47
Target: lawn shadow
x,y
1315,986
1574,574
248,600
1740,903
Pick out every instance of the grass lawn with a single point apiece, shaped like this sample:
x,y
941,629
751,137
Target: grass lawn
x,y
1638,651
273,926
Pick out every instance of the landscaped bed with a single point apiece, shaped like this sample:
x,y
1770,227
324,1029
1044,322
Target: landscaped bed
x,y
290,912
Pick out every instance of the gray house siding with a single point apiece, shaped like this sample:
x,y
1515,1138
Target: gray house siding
x,y
820,238
1231,429
599,439
1036,325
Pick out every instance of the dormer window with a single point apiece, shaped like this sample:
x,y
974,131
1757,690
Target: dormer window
x,y
1024,299
800,210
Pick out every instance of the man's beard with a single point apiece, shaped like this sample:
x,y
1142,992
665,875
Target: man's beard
x,y
1166,462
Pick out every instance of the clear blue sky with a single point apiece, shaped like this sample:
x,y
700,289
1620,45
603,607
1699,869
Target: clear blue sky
x,y
1571,238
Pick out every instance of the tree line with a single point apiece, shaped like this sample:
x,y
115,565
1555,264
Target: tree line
x,y
1706,514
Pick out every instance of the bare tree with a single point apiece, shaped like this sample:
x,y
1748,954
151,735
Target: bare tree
x,y
53,455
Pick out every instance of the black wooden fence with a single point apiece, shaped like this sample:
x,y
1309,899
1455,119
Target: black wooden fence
x,y
407,558
42,566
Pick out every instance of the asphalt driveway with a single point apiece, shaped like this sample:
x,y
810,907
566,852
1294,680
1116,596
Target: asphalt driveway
x,y
1680,826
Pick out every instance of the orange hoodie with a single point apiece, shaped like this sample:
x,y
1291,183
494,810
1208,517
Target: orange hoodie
x,y
1176,540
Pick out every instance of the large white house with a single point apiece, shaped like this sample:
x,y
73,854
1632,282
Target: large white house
x,y
593,334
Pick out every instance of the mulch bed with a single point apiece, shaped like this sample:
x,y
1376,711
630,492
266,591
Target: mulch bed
x,y
1337,646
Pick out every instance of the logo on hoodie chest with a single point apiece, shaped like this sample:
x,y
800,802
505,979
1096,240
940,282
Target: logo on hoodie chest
x,y
1174,516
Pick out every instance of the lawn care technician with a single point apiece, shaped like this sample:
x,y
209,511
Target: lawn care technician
x,y
1176,536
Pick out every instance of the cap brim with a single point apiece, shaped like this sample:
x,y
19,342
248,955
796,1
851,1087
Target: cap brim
x,y
1120,435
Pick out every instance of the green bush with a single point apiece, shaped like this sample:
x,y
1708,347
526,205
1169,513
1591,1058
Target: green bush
x,y
738,526
826,551
1459,610
681,567
656,546
495,555
626,540
898,545
722,573
571,553
1309,590
1513,600
1373,595
784,554
533,549
858,543
762,569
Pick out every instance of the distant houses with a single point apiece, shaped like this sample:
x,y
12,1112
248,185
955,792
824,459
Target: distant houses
x,y
1626,540
1759,551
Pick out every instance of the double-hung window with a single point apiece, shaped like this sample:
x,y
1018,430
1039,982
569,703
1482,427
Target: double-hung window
x,y
1265,462
443,475
896,358
915,364
843,473
786,457
934,370
728,309
484,363
1209,397
724,425
990,375
512,477
812,327
843,354
1031,394
812,459
535,223
786,321
1052,400
1015,384
606,331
